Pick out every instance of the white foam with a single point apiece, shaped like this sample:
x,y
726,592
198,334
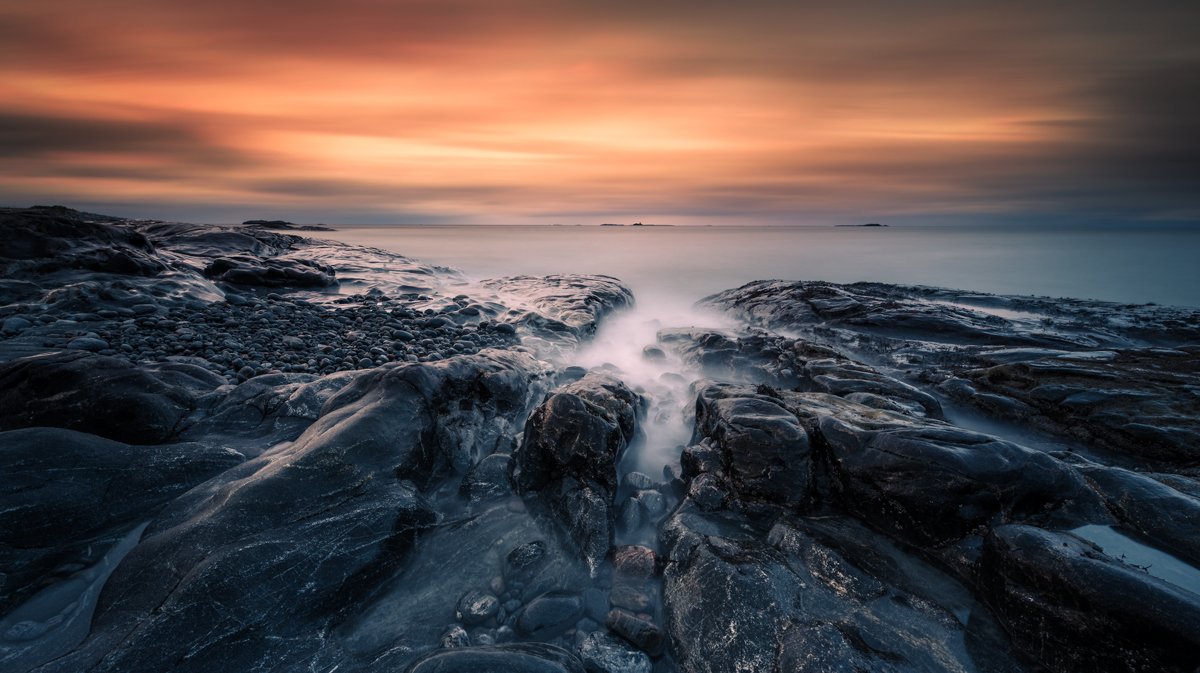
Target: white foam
x,y
619,343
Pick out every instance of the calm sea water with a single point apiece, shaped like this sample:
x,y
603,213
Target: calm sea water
x,y
1136,265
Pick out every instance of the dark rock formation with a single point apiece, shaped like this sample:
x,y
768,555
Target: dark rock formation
x,y
49,240
563,306
271,272
1108,375
292,543
1075,608
101,395
569,457
66,496
760,357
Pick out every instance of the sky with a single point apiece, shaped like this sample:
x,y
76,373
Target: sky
x,y
543,111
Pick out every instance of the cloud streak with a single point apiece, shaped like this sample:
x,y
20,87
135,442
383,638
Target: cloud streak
x,y
535,111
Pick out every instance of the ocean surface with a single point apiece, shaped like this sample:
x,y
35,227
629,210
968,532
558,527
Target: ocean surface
x,y
1151,263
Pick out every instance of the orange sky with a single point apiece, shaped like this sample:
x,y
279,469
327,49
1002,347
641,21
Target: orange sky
x,y
570,111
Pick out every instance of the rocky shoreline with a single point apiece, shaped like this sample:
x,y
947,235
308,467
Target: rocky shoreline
x,y
237,448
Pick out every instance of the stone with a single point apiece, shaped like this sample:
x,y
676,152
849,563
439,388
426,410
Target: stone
x,y
475,607
602,653
640,633
549,615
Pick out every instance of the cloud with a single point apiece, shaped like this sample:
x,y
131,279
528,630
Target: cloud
x,y
474,110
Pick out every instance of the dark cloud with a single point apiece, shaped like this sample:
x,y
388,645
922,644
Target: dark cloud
x,y
429,108
28,136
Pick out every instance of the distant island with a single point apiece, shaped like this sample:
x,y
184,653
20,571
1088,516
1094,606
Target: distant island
x,y
869,224
635,224
287,226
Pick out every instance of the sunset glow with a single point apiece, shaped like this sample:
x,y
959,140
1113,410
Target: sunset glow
x,y
539,112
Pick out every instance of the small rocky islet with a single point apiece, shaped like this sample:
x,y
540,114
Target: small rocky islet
x,y
236,448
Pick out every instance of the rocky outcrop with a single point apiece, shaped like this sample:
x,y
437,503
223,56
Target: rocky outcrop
x,y
572,445
101,395
1073,607
761,357
294,542
66,497
560,306
1142,402
247,270
1094,373
43,241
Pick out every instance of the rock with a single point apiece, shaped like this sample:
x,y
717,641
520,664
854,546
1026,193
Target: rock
x,y
635,561
1072,607
761,357
572,445
926,481
654,354
488,479
630,597
66,496
512,658
1084,370
549,615
15,325
738,598
455,636
304,536
46,240
525,558
602,653
100,395
87,344
475,607
764,448
1128,403
271,272
566,307
639,632
637,481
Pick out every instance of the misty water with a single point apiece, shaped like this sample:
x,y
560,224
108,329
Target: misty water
x,y
670,268
1151,263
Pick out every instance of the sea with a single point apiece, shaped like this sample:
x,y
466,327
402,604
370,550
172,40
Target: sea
x,y
1145,264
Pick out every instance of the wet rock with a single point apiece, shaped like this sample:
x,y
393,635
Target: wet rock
x,y
87,344
602,653
763,447
639,632
65,496
549,615
1128,402
924,480
475,607
737,597
635,561
566,307
525,558
514,658
572,445
455,636
100,395
1099,372
488,479
271,272
47,240
296,540
1071,607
